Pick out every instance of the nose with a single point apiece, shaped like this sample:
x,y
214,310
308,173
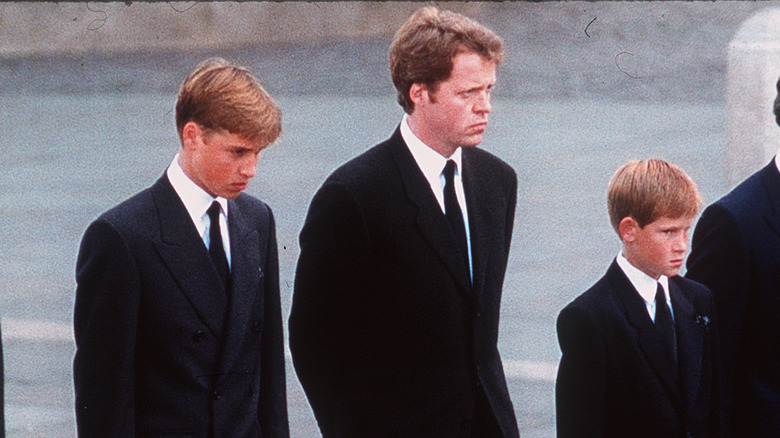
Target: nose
x,y
681,242
483,105
249,165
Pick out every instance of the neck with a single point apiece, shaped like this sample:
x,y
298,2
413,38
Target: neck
x,y
428,137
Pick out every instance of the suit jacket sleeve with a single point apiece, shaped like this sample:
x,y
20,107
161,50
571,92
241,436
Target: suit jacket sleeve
x,y
580,386
719,260
333,245
105,320
273,399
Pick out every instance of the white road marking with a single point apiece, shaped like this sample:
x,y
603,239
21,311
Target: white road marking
x,y
38,330
35,330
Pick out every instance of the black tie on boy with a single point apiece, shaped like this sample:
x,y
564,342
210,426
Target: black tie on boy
x,y
665,325
216,249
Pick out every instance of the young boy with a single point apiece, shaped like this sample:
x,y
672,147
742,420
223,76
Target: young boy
x,y
639,346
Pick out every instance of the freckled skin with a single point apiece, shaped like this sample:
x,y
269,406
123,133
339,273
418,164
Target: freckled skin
x,y
659,247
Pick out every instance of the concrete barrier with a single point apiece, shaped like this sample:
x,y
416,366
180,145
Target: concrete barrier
x,y
752,135
40,29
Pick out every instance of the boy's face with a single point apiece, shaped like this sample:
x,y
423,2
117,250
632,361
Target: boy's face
x,y
660,247
221,163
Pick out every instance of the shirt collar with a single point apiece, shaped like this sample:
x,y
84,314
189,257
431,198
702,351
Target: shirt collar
x,y
643,283
430,162
195,199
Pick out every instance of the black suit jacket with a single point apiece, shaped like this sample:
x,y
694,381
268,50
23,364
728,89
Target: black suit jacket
x,y
613,379
160,350
388,336
736,253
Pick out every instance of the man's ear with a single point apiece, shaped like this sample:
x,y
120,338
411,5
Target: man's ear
x,y
418,93
628,228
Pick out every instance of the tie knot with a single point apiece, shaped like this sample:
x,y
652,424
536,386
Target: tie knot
x,y
213,211
660,296
449,171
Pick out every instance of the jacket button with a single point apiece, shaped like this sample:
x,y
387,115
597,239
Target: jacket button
x,y
198,336
256,327
217,395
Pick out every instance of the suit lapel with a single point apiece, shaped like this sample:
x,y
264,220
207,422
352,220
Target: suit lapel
x,y
648,338
690,338
246,273
430,219
481,220
186,257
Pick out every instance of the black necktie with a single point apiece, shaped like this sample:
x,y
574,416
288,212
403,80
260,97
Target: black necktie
x,y
665,325
453,212
216,249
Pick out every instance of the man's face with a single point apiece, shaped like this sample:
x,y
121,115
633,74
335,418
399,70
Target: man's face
x,y
660,247
456,114
219,162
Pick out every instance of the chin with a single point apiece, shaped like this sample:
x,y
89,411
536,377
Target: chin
x,y
472,142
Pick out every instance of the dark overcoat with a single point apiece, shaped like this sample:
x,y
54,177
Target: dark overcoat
x,y
389,337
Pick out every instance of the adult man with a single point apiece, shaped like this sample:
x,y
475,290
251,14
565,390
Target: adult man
x,y
736,253
177,318
394,320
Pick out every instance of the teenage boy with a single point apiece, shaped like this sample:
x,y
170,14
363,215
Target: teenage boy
x,y
639,346
177,320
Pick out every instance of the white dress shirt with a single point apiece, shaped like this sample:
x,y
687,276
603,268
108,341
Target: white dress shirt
x,y
197,202
645,285
431,163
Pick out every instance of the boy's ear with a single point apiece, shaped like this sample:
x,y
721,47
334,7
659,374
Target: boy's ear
x,y
191,135
627,228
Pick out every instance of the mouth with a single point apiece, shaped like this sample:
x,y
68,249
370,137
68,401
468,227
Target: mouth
x,y
479,127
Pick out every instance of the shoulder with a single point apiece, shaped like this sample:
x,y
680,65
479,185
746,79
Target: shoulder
x,y
372,177
135,213
486,163
253,206
693,290
743,200
692,286
594,303
585,319
371,165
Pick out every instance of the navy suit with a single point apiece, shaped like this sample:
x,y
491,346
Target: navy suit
x,y
736,253
161,351
389,338
614,379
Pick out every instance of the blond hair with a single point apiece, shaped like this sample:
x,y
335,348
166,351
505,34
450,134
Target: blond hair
x,y
646,190
424,47
220,96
